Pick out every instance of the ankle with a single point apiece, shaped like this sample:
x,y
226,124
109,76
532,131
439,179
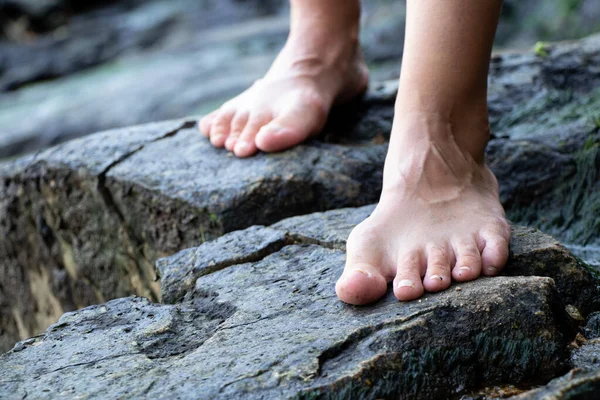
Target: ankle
x,y
329,23
465,123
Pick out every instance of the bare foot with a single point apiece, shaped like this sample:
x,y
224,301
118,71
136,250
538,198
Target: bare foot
x,y
439,217
321,64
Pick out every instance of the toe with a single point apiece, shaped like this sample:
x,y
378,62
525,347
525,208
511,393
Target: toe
x,y
437,277
468,260
221,127
360,283
495,249
231,140
293,125
238,123
245,145
407,284
205,123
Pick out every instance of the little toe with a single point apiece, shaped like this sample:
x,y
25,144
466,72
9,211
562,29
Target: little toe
x,y
437,277
205,123
221,127
408,284
360,283
495,251
292,126
468,260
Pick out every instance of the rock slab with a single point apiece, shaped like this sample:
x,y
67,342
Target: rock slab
x,y
83,222
255,316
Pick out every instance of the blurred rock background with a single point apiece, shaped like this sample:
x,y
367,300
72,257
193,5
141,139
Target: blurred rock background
x,y
71,67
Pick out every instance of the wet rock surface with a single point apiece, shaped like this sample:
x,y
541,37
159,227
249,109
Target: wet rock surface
x,y
83,222
266,323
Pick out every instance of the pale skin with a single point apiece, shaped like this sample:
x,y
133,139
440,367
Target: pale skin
x,y
439,218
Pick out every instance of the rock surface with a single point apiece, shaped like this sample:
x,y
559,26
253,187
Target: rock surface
x,y
258,318
532,254
581,383
83,222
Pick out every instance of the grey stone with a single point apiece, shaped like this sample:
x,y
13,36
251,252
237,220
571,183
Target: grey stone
x,y
274,328
592,327
579,384
537,254
238,247
583,380
86,220
587,357
532,253
60,39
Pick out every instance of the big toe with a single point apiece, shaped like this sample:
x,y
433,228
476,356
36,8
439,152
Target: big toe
x,y
360,284
293,125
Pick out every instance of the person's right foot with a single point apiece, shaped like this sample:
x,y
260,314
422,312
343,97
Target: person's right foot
x,y
321,64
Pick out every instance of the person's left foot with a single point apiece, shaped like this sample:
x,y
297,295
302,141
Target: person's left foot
x,y
439,217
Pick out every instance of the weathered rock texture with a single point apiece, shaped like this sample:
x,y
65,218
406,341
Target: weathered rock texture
x,y
258,318
83,222
581,383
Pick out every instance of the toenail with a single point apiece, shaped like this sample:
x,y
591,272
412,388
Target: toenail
x,y
436,278
492,270
276,129
363,272
406,283
241,145
465,268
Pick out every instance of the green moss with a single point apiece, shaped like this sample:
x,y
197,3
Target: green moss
x,y
536,110
202,236
569,8
540,49
570,210
548,109
590,143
